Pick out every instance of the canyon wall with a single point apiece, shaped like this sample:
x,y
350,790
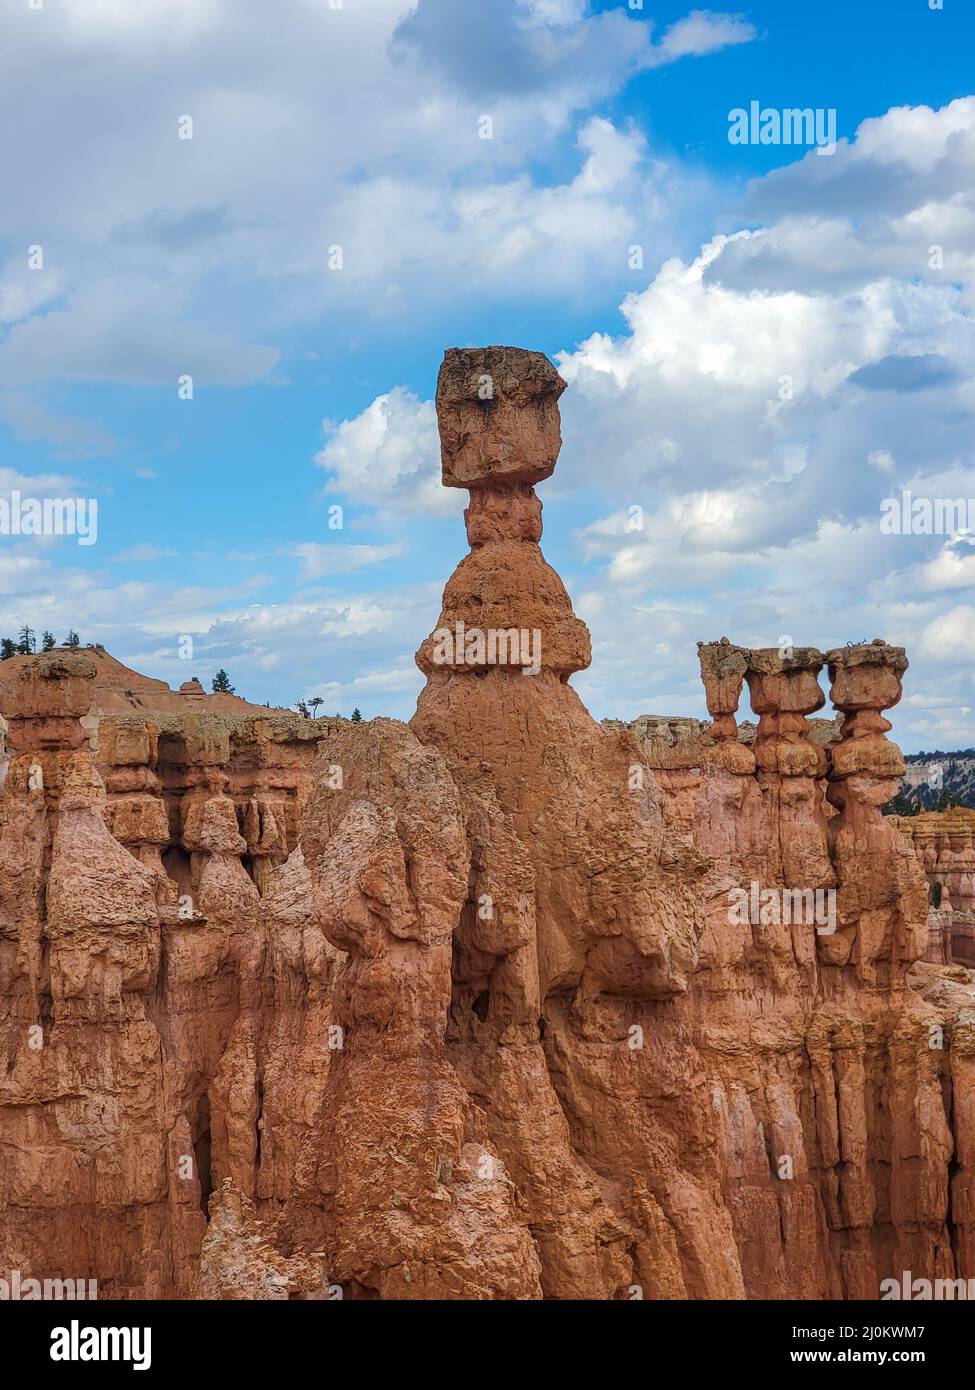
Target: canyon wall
x,y
944,842
503,1003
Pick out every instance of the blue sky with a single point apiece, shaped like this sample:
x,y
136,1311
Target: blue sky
x,y
359,127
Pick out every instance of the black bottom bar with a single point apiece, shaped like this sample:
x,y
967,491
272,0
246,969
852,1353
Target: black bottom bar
x,y
197,1339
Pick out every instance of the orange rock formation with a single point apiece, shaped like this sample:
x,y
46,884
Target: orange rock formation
x,y
944,842
504,1003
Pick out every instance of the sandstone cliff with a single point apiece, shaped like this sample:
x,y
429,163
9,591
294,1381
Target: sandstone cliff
x,y
503,1004
944,842
931,779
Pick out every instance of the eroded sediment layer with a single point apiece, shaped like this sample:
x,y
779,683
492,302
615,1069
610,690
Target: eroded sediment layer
x,y
470,1008
944,842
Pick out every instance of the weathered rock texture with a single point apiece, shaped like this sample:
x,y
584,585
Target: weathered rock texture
x,y
131,960
473,1009
929,777
944,842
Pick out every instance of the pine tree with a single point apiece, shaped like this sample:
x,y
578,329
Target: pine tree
x,y
316,705
357,716
72,639
302,708
28,641
8,647
47,642
221,683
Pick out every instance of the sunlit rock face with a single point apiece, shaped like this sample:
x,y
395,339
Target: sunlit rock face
x,y
944,843
500,1004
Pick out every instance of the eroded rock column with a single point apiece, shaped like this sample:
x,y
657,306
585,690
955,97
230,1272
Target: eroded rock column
x,y
83,1119
881,898
582,916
